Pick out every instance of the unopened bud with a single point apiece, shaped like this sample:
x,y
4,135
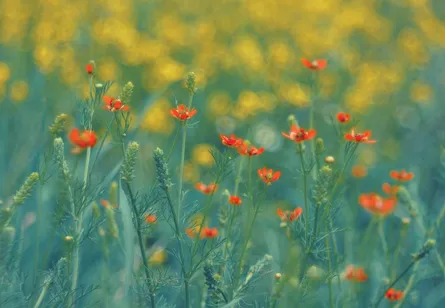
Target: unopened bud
x,y
277,276
68,239
190,82
329,159
292,120
319,146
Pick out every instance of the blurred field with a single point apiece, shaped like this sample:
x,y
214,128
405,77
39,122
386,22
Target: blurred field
x,y
385,68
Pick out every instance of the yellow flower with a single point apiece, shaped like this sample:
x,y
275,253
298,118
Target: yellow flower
x,y
157,118
202,156
249,53
294,94
421,93
19,91
158,257
219,104
107,69
5,72
191,172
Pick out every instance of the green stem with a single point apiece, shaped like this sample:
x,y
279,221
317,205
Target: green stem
x,y
331,297
181,253
305,190
403,233
132,202
181,168
43,293
384,243
79,219
233,208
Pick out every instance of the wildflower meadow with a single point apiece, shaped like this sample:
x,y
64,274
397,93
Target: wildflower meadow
x,y
187,153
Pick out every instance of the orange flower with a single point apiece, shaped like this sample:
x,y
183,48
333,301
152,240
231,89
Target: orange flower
x,y
106,203
355,274
232,141
401,176
393,294
288,215
343,117
182,112
82,140
151,219
114,105
235,200
359,171
359,137
298,134
390,190
206,189
315,65
89,68
268,175
376,204
209,233
249,150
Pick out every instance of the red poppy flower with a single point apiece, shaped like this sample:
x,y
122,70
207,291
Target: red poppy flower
x,y
288,215
268,175
232,141
182,112
376,204
89,68
343,117
151,219
298,134
106,203
359,171
114,105
393,294
355,274
82,140
235,200
359,137
401,176
206,189
315,65
249,150
390,190
209,233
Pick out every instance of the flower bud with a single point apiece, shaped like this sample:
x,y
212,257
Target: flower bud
x,y
319,146
277,276
329,159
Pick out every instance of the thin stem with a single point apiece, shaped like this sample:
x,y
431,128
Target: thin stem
x,y
331,297
181,169
305,190
232,216
247,231
181,253
384,243
79,219
403,233
43,293
132,202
